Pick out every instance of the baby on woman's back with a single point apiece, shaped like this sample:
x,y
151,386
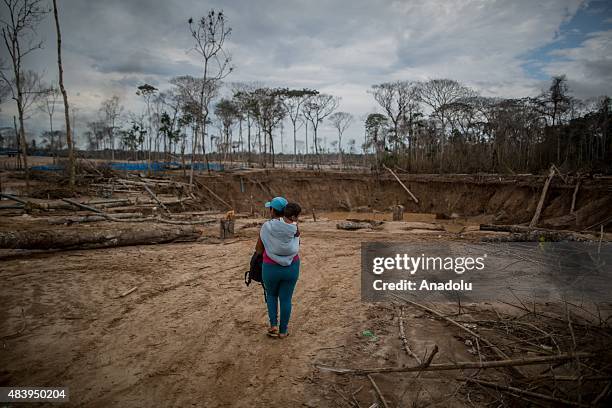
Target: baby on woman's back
x,y
281,237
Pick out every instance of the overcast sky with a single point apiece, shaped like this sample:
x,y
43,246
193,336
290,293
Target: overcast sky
x,y
501,48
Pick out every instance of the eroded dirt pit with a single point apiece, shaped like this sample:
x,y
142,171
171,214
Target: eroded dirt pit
x,y
192,334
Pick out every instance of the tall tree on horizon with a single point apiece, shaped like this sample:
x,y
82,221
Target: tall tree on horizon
x,y
294,100
340,121
210,34
18,33
69,142
316,109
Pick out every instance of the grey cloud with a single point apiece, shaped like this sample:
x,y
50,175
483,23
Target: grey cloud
x,y
139,61
340,46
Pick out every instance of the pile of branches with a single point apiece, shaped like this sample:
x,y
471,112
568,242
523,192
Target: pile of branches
x,y
556,355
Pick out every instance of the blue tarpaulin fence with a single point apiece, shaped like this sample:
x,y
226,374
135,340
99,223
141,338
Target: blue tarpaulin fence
x,y
130,166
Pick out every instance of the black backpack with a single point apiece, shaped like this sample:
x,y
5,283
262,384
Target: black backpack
x,y
254,273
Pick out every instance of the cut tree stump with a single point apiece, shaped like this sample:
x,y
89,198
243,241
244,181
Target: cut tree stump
x,y
226,229
398,213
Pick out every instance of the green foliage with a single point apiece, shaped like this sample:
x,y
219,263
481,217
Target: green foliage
x,y
133,136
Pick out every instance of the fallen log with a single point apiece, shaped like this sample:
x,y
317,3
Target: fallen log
x,y
14,198
107,201
521,233
144,234
91,218
83,206
12,207
352,226
423,226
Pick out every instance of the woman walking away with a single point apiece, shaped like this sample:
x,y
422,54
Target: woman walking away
x,y
279,243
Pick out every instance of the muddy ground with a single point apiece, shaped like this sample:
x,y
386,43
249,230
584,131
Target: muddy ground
x,y
192,334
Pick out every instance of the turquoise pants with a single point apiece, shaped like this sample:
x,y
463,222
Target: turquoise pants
x,y
279,282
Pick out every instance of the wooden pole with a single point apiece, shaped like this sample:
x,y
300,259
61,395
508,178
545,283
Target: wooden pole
x,y
536,215
152,194
402,184
216,196
574,196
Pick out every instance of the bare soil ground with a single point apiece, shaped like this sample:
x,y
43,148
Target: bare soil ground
x,y
192,333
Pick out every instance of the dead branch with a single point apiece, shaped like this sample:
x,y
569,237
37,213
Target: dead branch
x,y
466,365
378,392
402,336
154,197
519,391
495,349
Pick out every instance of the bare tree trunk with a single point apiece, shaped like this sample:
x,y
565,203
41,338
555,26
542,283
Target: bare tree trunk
x,y
294,146
249,138
306,141
203,127
24,146
17,143
71,161
194,143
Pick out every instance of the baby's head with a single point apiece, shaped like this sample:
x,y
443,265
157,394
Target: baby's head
x,y
292,211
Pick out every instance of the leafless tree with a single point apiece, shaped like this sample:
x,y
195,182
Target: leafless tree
x,y
147,92
19,22
111,109
399,100
196,95
69,141
228,113
340,121
47,102
293,104
439,94
210,34
316,109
